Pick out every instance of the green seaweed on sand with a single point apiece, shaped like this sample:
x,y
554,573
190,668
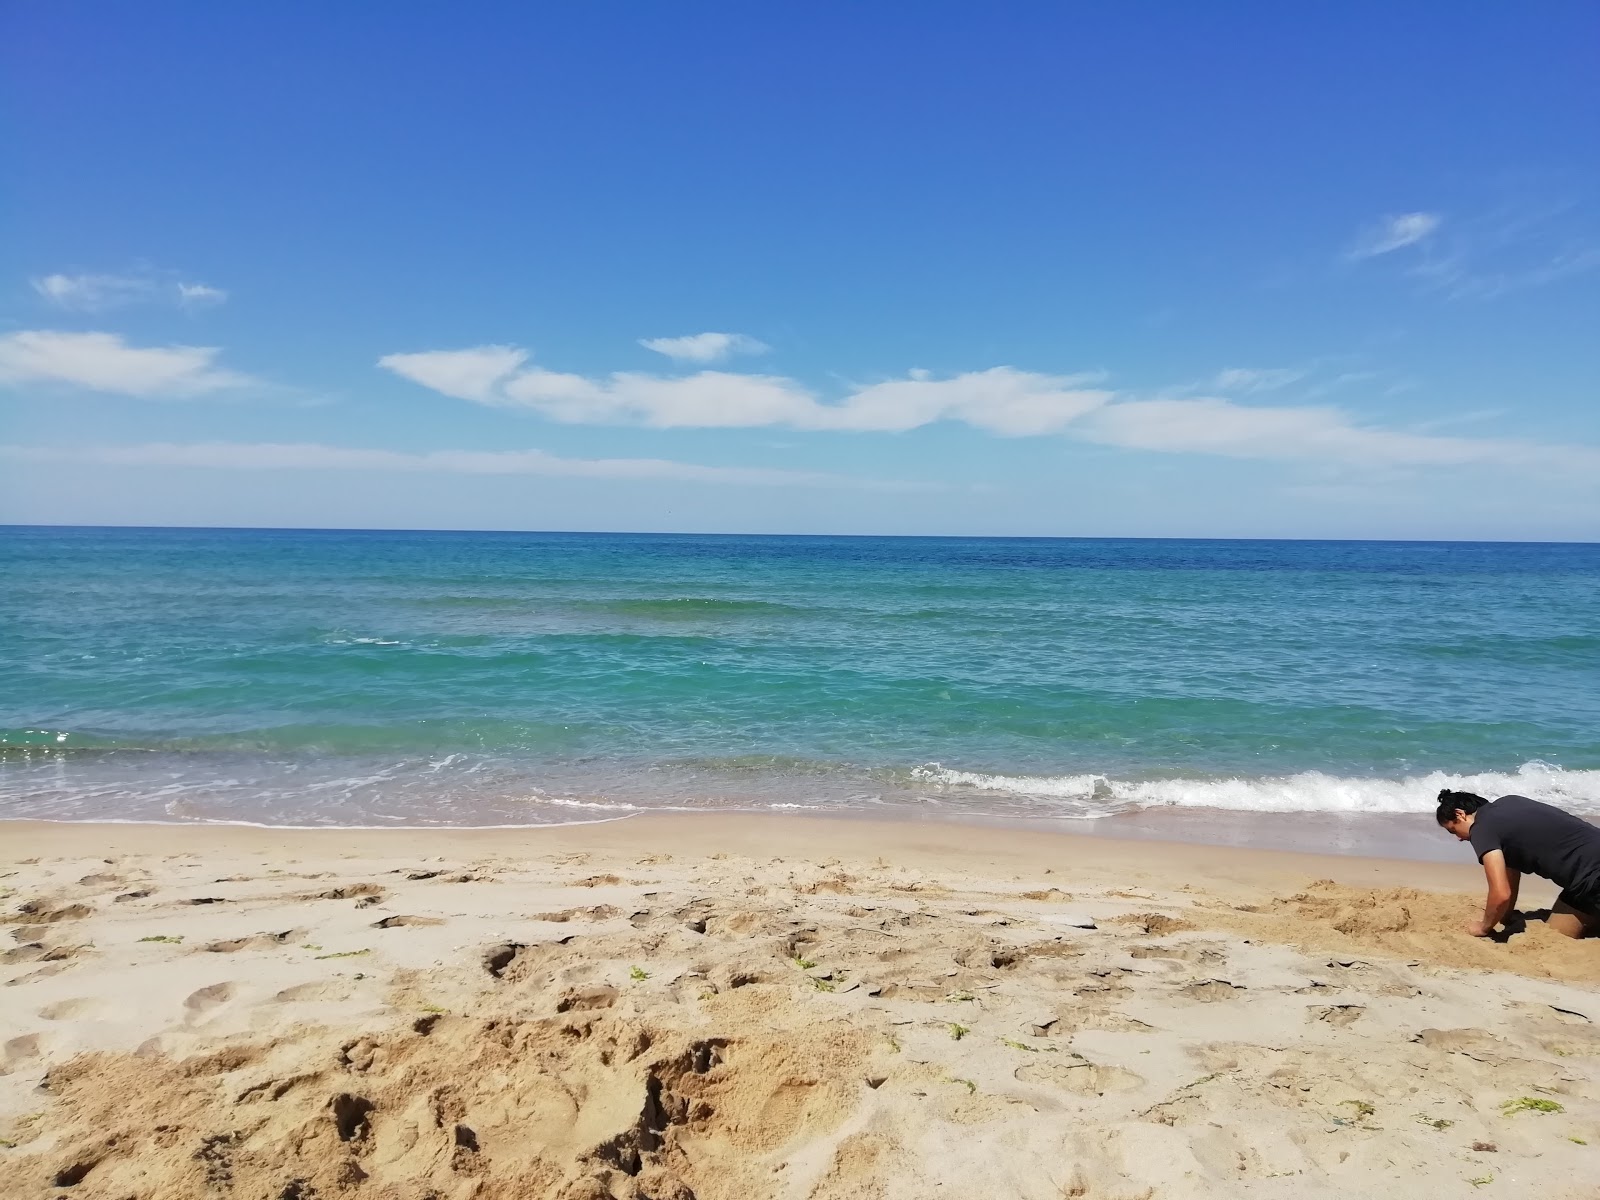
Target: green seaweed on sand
x,y
1529,1104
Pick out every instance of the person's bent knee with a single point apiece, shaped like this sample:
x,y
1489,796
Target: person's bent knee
x,y
1572,922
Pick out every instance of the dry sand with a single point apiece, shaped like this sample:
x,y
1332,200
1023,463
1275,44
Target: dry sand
x,y
734,1008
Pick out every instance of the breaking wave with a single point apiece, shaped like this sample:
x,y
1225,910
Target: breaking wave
x,y
1308,791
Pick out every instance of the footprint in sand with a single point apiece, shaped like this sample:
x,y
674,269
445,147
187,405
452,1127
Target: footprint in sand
x,y
256,941
313,991
1189,952
1477,1044
1154,924
20,1052
81,1008
356,891
585,999
40,913
1079,1077
1337,1015
396,922
1212,990
207,1000
598,912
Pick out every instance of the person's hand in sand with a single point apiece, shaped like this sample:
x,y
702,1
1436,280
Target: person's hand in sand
x,y
1513,835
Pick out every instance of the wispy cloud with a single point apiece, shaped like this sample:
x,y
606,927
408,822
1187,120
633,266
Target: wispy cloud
x,y
1469,270
1392,233
1245,380
311,456
1515,246
1000,400
104,362
1310,433
705,347
89,292
200,295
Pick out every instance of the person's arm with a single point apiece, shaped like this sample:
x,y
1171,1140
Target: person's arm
x,y
1502,893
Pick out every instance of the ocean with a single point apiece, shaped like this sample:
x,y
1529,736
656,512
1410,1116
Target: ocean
x,y
366,678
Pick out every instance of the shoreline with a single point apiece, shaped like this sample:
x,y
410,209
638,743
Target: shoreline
x,y
924,840
1398,837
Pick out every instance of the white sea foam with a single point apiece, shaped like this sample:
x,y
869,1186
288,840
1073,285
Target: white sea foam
x,y
1308,791
599,804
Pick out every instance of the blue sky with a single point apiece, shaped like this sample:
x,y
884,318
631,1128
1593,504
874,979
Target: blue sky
x,y
1146,269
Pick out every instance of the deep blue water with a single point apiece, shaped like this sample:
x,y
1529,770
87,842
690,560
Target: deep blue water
x,y
386,677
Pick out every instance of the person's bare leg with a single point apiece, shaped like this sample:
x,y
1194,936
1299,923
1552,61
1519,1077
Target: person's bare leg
x,y
1573,922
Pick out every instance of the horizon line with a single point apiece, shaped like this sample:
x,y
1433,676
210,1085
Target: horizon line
x,y
971,537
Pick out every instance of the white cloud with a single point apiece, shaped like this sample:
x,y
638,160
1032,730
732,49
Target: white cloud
x,y
465,374
280,456
705,347
1001,400
1324,434
710,399
88,292
1392,233
200,295
103,362
91,293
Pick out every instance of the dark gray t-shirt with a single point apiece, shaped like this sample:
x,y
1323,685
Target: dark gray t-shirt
x,y
1540,839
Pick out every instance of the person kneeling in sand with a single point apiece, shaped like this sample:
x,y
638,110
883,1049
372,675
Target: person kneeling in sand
x,y
1513,835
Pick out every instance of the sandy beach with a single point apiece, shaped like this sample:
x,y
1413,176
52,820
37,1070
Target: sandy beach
x,y
730,1007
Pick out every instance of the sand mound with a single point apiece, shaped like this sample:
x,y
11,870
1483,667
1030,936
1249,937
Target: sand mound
x,y
583,1106
1409,923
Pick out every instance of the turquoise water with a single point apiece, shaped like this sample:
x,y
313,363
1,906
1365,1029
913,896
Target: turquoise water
x,y
371,678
